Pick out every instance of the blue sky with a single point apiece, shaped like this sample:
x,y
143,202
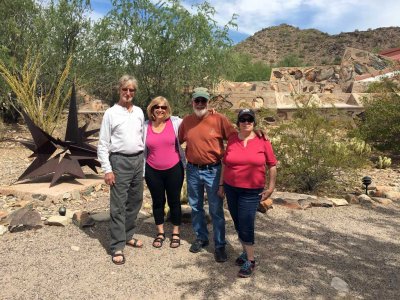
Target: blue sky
x,y
330,16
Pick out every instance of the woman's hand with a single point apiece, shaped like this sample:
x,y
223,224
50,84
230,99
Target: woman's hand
x,y
266,194
221,192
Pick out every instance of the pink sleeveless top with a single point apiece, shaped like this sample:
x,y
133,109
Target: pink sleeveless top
x,y
162,152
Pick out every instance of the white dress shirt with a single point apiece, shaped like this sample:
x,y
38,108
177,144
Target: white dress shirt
x,y
121,131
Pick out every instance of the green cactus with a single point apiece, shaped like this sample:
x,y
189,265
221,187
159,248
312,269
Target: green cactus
x,y
360,147
383,162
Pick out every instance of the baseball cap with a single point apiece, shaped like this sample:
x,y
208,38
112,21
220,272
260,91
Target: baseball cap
x,y
201,92
246,111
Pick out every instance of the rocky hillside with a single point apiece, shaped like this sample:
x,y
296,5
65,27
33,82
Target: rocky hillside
x,y
312,46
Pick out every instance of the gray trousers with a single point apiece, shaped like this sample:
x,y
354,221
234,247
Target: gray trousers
x,y
126,198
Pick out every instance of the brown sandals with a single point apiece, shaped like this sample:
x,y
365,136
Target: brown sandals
x,y
159,240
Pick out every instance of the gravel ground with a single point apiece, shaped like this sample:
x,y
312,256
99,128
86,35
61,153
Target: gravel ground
x,y
298,254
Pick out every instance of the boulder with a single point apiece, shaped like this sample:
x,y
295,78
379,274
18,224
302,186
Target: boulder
x,y
383,201
102,216
325,74
339,201
305,203
25,217
82,219
58,221
366,201
321,202
393,195
352,199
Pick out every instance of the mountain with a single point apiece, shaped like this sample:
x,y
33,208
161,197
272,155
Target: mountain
x,y
313,47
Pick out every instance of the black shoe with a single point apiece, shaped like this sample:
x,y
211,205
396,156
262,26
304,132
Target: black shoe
x,y
241,259
220,255
198,245
247,269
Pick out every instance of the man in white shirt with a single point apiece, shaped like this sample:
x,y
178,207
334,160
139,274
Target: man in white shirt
x,y
120,152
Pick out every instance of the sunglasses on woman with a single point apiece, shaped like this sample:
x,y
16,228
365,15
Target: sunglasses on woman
x,y
130,90
163,107
248,120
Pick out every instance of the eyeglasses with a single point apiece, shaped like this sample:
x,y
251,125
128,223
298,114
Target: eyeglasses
x,y
248,120
200,100
130,90
163,107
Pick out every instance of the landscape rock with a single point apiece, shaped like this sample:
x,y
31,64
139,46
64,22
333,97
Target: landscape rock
x,y
377,193
3,229
75,248
322,202
384,188
305,203
393,195
58,221
67,196
98,187
383,201
21,203
3,214
288,203
25,217
40,197
69,213
102,216
82,219
339,201
366,201
340,285
352,199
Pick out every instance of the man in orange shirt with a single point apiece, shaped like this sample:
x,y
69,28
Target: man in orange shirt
x,y
204,133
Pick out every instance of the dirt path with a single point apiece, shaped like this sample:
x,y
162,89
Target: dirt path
x,y
298,254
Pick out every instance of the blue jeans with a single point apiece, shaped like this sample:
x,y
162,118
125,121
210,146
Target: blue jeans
x,y
197,180
243,205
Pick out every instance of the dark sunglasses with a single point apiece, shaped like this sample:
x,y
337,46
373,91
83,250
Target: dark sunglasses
x,y
202,100
248,120
130,90
163,107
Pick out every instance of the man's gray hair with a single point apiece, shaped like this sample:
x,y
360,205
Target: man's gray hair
x,y
127,78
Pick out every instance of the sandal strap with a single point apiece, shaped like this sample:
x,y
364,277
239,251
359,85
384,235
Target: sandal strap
x,y
175,234
158,239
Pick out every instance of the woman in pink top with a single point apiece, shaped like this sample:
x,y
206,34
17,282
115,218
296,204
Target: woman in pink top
x,y
164,164
243,181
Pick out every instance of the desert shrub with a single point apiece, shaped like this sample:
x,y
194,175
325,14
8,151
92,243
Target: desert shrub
x,y
380,125
312,149
43,104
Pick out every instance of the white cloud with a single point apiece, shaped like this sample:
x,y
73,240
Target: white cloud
x,y
328,16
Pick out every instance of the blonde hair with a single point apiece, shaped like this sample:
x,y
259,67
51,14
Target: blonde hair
x,y
156,101
127,78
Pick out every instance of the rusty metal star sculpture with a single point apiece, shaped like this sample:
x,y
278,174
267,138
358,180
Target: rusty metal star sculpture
x,y
58,157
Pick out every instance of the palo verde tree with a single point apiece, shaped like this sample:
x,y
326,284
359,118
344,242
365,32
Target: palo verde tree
x,y
165,46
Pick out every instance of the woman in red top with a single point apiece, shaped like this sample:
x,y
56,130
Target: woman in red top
x,y
243,180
